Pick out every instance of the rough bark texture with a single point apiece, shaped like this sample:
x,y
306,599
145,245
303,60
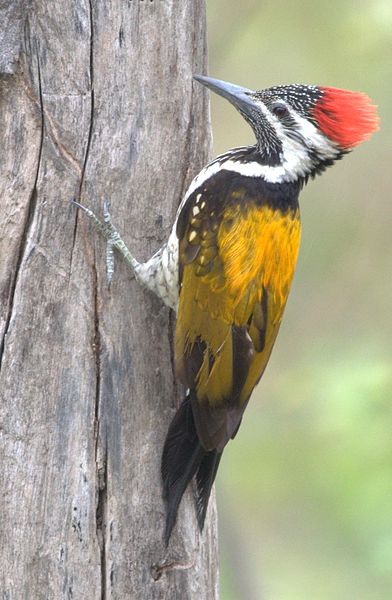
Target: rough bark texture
x,y
96,100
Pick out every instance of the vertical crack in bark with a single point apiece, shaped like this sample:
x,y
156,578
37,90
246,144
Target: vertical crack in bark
x,y
100,446
101,520
97,353
91,123
28,221
92,101
74,234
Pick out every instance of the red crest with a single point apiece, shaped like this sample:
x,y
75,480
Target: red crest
x,y
347,118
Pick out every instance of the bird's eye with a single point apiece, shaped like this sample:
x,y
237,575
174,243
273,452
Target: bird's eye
x,y
279,110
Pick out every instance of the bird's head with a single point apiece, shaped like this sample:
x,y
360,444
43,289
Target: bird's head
x,y
300,129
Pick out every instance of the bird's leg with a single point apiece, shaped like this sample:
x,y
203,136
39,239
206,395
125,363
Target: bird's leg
x,y
159,274
113,238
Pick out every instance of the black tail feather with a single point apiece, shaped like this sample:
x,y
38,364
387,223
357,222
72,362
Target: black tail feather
x,y
205,477
184,457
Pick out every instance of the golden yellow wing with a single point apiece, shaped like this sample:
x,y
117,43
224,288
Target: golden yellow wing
x,y
236,266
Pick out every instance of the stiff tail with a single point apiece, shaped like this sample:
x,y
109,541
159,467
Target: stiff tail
x,y
184,458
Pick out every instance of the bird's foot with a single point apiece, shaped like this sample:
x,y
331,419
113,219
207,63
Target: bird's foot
x,y
113,238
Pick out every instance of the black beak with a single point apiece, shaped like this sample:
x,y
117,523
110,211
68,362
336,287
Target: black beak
x,y
239,96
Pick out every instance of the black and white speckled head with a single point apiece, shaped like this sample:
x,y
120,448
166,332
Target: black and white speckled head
x,y
299,129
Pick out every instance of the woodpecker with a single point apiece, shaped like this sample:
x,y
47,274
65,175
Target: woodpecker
x,y
228,264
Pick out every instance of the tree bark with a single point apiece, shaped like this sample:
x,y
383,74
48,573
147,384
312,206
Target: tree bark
x,y
96,101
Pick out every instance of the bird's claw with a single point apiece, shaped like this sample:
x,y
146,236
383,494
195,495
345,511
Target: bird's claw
x,y
108,230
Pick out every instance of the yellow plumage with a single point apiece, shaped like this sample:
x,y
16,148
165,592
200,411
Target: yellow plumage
x,y
236,274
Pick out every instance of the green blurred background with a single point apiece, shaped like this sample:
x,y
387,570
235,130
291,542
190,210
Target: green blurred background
x,y
305,490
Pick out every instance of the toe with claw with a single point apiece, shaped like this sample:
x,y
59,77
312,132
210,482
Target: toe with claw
x,y
112,236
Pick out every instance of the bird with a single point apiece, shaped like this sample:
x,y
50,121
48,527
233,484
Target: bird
x,y
227,266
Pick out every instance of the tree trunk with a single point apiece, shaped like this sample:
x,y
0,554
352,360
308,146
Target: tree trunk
x,y
96,101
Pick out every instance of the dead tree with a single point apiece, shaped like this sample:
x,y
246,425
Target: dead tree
x,y
96,101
